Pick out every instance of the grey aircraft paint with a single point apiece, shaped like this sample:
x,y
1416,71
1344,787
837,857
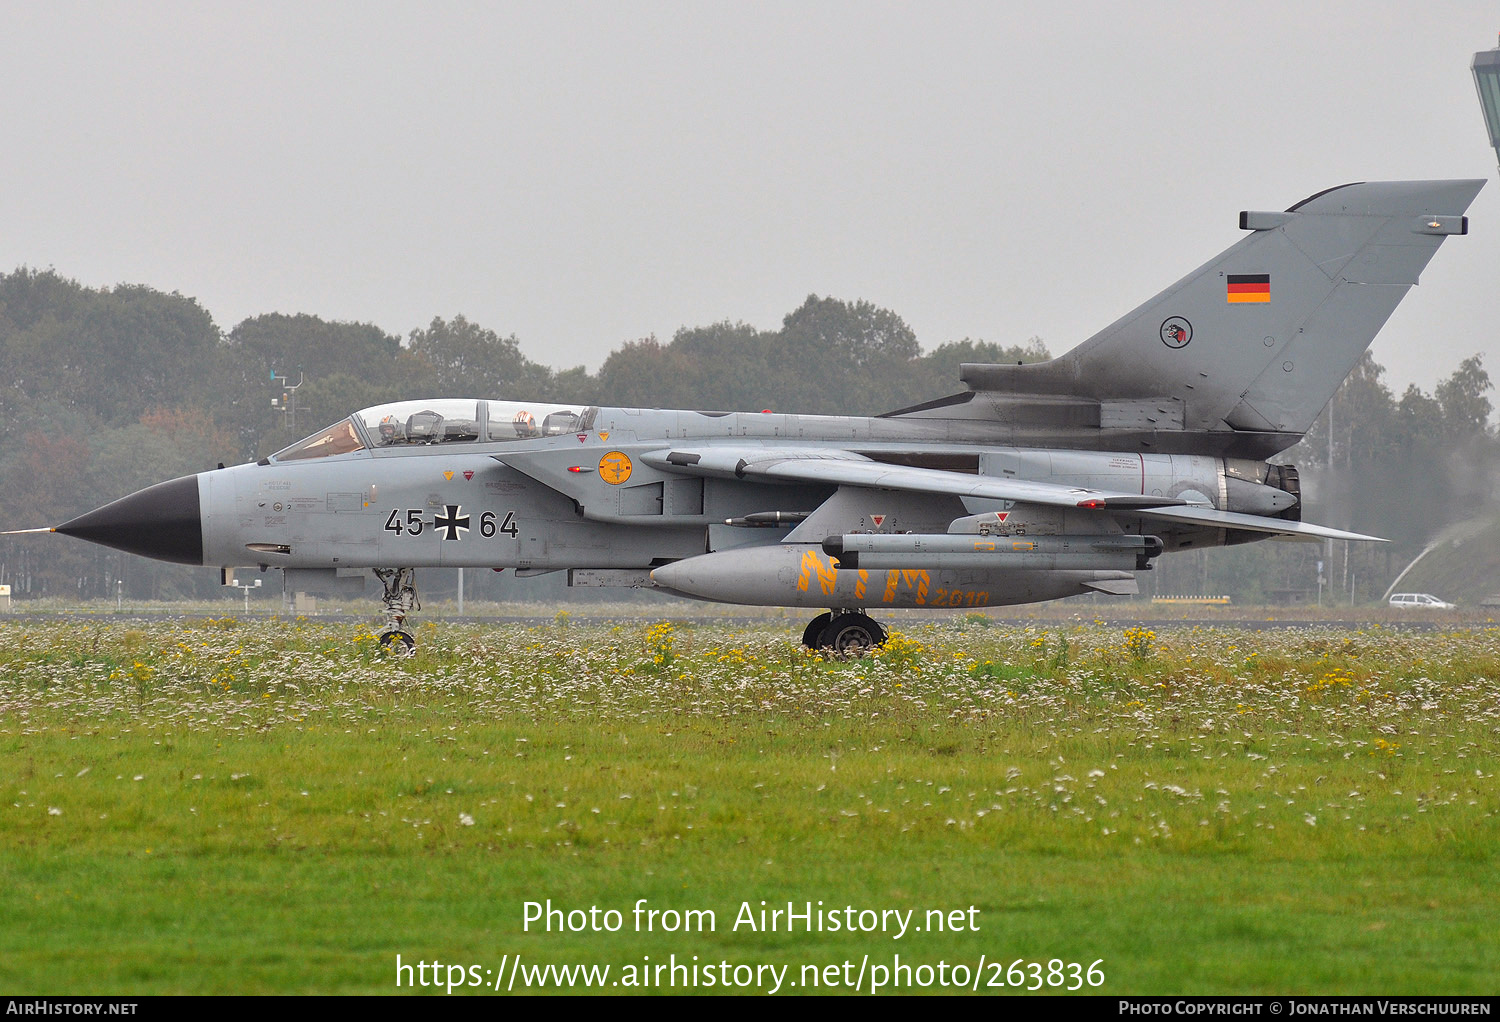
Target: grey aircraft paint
x,y
1040,482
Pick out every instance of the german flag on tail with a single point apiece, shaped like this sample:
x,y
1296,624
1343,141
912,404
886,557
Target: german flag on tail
x,y
1248,287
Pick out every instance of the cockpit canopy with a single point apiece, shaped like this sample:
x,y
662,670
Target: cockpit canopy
x,y
422,422
444,421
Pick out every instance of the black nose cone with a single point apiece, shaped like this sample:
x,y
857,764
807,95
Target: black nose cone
x,y
161,521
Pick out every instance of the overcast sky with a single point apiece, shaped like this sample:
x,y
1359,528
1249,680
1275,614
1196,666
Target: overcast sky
x,y
586,174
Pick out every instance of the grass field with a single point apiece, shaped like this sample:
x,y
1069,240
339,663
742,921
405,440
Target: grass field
x,y
225,806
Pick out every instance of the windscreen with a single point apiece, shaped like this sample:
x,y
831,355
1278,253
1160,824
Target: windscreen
x,y
340,438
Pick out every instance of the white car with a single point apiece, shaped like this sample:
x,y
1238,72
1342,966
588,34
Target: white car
x,y
1424,601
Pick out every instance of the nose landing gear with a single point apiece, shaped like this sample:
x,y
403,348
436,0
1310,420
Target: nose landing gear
x,y
400,599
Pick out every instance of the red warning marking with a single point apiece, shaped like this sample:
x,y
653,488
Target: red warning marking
x,y
879,520
469,473
1002,515
582,437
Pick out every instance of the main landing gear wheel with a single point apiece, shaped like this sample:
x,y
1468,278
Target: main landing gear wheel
x,y
814,630
845,634
398,643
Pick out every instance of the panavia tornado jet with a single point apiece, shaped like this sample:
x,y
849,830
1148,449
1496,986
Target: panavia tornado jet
x,y
1038,482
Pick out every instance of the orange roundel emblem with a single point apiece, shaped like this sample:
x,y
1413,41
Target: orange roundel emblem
x,y
614,467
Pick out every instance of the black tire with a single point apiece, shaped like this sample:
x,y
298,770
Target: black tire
x,y
813,633
851,635
398,643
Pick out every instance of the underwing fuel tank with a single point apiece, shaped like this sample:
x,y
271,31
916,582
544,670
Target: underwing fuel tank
x,y
796,575
1102,553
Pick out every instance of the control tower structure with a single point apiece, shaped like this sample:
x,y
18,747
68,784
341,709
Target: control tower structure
x,y
1487,79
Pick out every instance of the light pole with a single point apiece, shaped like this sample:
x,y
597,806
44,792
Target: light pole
x,y
245,588
288,400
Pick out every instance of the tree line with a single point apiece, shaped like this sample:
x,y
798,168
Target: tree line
x,y
111,389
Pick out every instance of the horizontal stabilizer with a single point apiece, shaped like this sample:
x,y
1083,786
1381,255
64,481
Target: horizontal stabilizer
x,y
1211,518
1115,586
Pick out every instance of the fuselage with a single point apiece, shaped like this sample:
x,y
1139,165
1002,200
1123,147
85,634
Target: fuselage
x,y
539,487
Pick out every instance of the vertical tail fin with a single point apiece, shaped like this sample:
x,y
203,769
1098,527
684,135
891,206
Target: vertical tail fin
x,y
1260,337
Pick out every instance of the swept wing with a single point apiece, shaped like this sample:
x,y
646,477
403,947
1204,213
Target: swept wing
x,y
848,468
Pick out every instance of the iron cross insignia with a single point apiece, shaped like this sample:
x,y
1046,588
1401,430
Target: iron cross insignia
x,y
452,523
